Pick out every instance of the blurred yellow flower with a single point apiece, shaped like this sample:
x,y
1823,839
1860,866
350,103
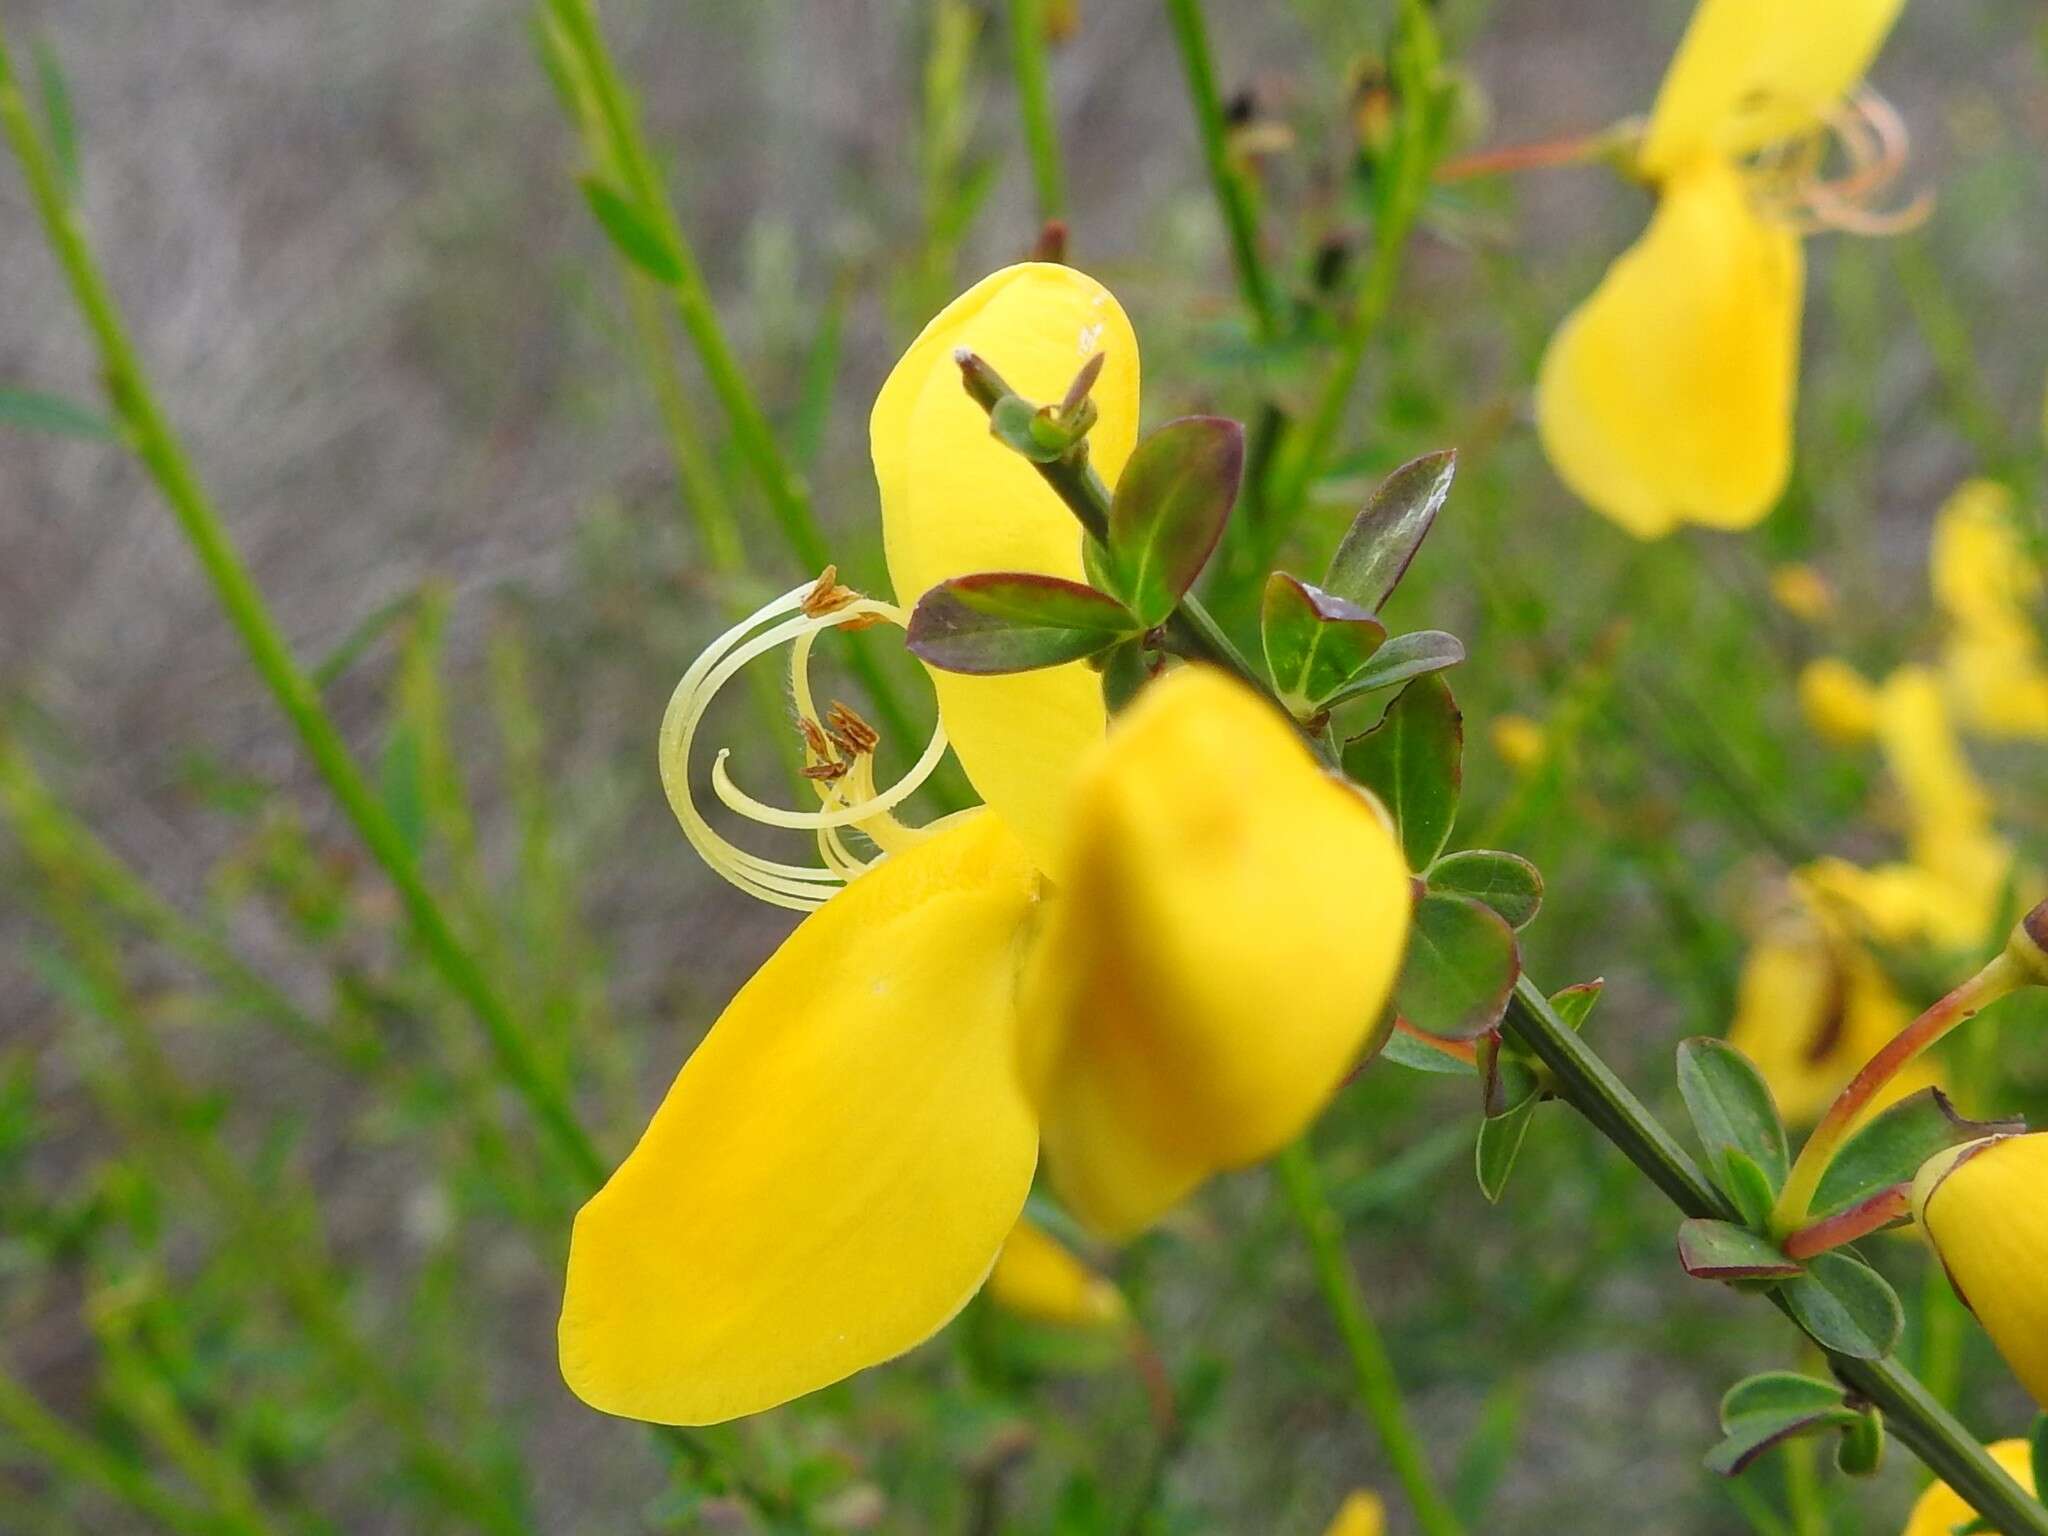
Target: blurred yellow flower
x,y
1520,741
1838,702
1988,584
1941,1510
1813,1006
1985,1209
1803,592
1037,1277
1667,396
1361,1514
838,1165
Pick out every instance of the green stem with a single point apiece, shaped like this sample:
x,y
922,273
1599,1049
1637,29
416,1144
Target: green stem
x,y
1234,196
1379,1390
150,437
1034,102
1852,1106
86,1462
616,139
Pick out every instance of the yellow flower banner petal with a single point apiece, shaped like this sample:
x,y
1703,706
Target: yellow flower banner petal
x,y
1941,1510
1222,951
955,501
1989,1221
1752,72
1667,396
833,1172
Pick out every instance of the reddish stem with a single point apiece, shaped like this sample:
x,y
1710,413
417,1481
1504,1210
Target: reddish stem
x,y
1859,1220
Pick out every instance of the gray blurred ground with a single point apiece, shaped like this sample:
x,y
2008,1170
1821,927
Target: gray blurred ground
x,y
348,238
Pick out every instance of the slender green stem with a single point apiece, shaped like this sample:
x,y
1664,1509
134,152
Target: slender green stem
x,y
1379,1390
1852,1106
150,436
1034,103
1235,199
87,1462
614,134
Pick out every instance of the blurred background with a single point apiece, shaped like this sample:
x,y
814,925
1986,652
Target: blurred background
x,y
278,1252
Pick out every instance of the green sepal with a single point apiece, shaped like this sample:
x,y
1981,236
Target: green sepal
x,y
1413,760
1168,511
1013,422
1846,1306
1506,882
638,241
1890,1149
1721,1250
1315,642
1014,621
1461,967
1375,551
1731,1106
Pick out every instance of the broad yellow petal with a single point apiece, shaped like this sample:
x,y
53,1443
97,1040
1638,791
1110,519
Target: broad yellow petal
x,y
1981,569
1984,1211
1941,1510
833,1172
1667,396
1838,701
955,501
1752,72
1222,951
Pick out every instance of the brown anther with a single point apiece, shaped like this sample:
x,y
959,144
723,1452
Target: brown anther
x,y
824,773
827,595
815,740
863,620
850,731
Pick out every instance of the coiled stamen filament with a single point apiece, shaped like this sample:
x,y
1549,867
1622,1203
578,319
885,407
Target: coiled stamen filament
x,y
849,795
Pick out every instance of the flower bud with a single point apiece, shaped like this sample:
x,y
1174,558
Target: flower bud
x,y
2028,946
1038,1278
1941,1510
1984,1206
1362,1514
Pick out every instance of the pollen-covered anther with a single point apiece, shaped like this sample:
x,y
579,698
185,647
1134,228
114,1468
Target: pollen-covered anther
x,y
827,595
824,772
849,731
816,742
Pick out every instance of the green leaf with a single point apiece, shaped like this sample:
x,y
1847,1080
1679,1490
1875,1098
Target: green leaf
x,y
1462,964
1748,1186
1125,670
1315,643
1404,1050
1778,1392
1721,1250
1731,1106
2037,1444
1891,1148
1013,621
1749,1438
1574,1004
1488,1454
1376,550
57,113
638,240
1404,656
1168,511
1500,1143
1860,1452
33,411
1846,1306
1506,882
1413,760
1508,1079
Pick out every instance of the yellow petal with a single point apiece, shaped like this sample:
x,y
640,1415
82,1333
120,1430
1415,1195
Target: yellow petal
x,y
1752,72
1222,951
1941,1510
1838,701
831,1175
1667,396
1803,592
1037,1277
1362,1514
1979,563
955,501
1987,1216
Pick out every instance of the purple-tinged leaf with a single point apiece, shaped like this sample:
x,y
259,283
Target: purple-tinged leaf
x,y
1315,642
1720,1250
1168,511
1382,540
1014,621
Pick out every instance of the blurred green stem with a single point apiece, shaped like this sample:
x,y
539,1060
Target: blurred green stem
x,y
1379,1390
150,436
88,1463
1029,64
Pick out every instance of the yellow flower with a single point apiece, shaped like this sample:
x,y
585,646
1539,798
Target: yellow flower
x,y
1941,1510
1838,701
1037,1277
1667,396
837,1166
1361,1514
1988,585
1520,741
1803,592
1985,1209
1812,1007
